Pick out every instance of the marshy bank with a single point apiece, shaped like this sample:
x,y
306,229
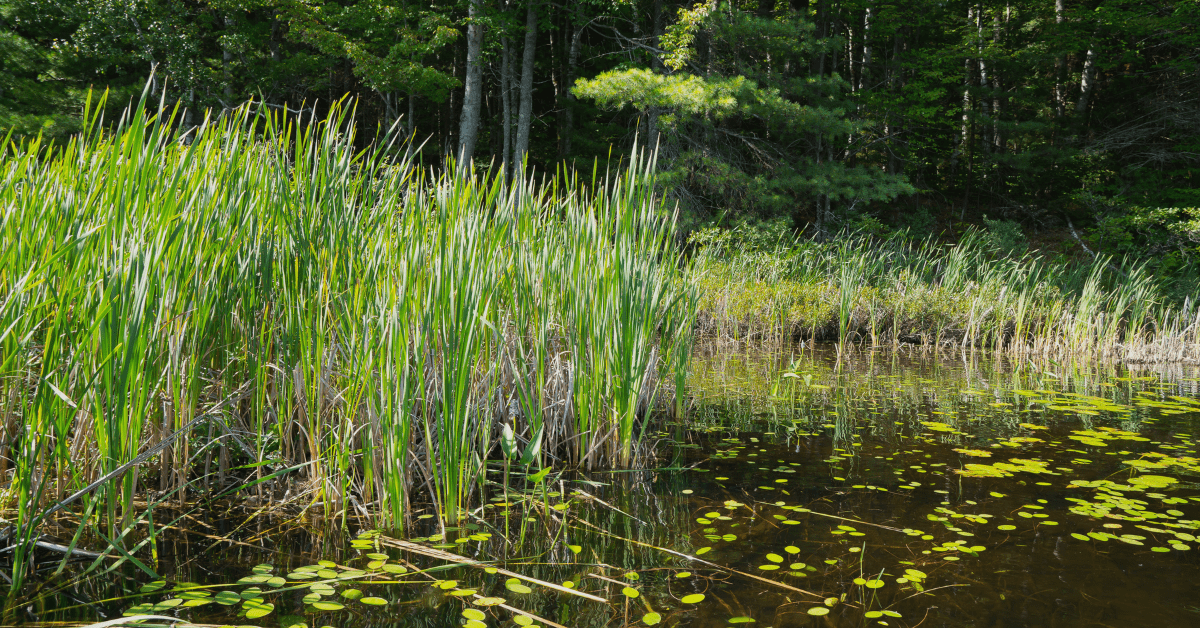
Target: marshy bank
x,y
256,377
290,320
859,290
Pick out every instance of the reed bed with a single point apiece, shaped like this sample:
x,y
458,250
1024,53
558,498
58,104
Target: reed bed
x,y
299,319
863,291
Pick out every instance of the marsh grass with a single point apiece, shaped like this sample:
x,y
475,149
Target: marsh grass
x,y
372,326
860,291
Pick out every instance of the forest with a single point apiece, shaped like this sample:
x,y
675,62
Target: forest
x,y
497,313
1071,126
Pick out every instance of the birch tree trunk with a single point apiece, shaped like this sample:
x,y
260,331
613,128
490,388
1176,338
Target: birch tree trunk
x,y
1087,80
1060,64
864,72
984,105
468,125
968,66
525,115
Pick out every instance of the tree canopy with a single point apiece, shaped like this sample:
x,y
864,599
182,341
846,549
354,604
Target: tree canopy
x,y
1075,115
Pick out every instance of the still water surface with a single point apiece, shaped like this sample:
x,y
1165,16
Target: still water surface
x,y
882,490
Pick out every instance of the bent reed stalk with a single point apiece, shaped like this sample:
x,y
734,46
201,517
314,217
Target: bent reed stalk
x,y
380,326
859,290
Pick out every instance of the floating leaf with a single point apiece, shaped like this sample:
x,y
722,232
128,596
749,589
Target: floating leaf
x,y
517,587
254,610
630,592
474,613
694,598
227,598
151,587
488,601
651,618
373,601
327,606
741,620
818,611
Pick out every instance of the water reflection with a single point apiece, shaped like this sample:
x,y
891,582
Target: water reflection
x,y
805,490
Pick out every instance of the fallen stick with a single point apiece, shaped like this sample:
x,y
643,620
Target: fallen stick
x,y
698,560
455,558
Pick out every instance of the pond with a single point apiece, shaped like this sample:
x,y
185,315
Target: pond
x,y
881,489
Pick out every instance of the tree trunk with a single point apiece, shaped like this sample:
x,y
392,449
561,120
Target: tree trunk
x,y
984,105
997,88
506,82
468,126
525,115
864,72
822,33
226,64
656,63
968,66
1060,63
1087,80
572,70
275,27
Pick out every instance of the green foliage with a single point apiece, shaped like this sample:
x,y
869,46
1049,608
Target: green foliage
x,y
1005,236
386,41
893,290
745,138
293,304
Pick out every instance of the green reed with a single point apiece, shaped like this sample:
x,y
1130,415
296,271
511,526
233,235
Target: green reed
x,y
895,290
322,308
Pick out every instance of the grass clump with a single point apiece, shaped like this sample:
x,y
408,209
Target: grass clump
x,y
305,309
891,291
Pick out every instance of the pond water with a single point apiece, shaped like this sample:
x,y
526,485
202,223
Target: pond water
x,y
883,489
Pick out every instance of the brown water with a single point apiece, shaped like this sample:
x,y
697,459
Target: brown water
x,y
880,490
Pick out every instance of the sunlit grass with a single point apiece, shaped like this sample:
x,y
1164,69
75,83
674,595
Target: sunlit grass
x,y
861,291
338,316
